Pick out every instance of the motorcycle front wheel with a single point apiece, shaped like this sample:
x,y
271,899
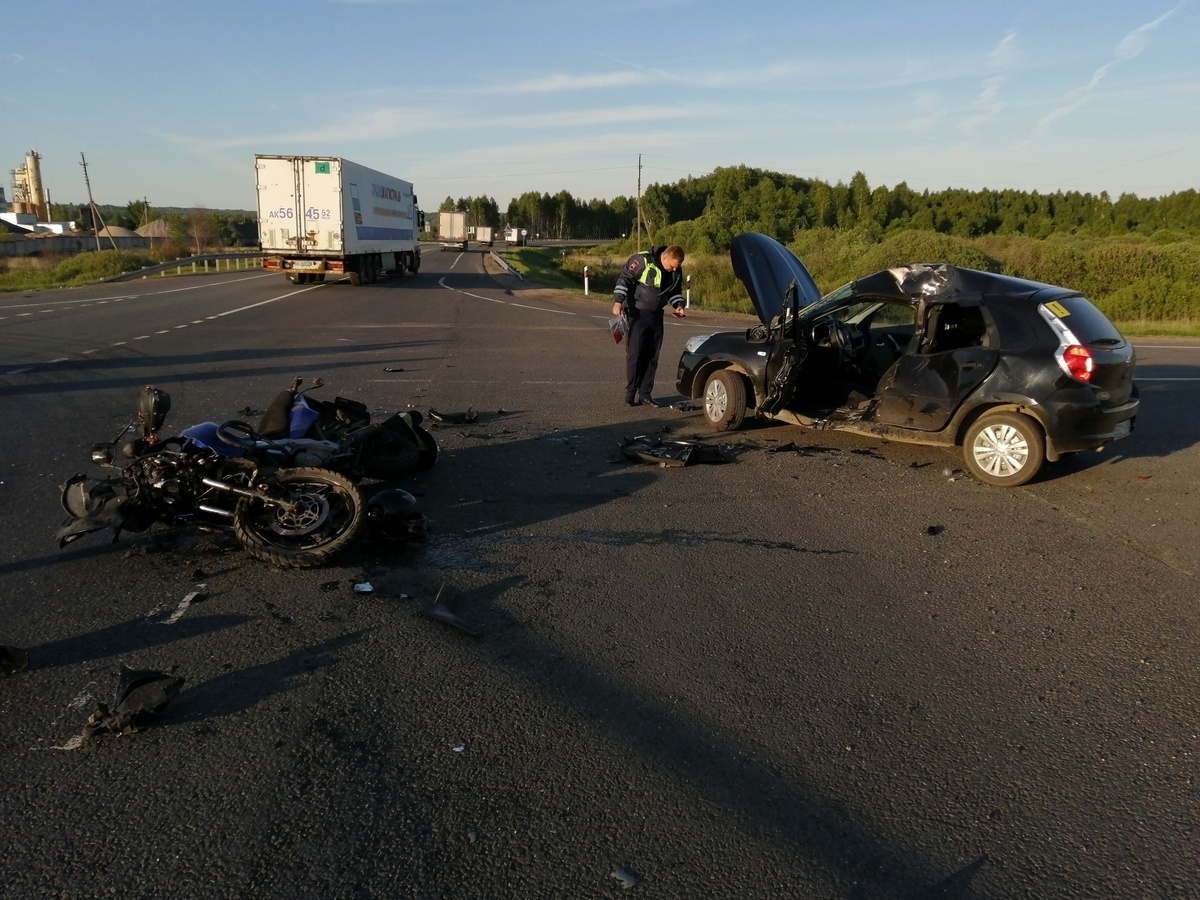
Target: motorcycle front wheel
x,y
323,514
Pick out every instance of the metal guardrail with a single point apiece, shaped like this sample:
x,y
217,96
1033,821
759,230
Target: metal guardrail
x,y
507,266
195,264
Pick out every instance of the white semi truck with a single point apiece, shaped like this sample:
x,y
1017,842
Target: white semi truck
x,y
452,230
324,216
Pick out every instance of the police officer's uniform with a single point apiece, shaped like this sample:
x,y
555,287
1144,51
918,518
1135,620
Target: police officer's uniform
x,y
644,289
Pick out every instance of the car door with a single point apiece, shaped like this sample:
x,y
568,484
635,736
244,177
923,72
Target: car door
x,y
785,354
949,357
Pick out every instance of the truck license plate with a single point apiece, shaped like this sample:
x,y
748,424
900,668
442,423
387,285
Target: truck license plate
x,y
1122,429
306,264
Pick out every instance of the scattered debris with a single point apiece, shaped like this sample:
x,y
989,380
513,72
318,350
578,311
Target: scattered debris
x,y
442,612
627,877
644,448
935,529
364,587
685,406
12,660
248,411
453,418
392,369
790,445
141,693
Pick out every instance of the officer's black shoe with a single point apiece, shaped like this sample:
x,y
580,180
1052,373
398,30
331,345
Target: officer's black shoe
x,y
647,400
630,401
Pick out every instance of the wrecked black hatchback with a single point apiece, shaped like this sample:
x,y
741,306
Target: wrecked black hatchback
x,y
1015,372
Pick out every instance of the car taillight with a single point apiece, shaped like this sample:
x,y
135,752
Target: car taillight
x,y
1076,360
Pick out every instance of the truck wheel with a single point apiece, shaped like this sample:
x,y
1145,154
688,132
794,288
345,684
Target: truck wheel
x,y
354,266
414,262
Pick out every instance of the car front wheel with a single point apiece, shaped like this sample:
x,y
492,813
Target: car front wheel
x,y
724,400
1005,449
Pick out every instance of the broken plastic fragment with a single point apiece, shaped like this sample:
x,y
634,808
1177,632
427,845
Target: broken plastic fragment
x,y
643,448
140,693
453,418
364,587
442,612
627,877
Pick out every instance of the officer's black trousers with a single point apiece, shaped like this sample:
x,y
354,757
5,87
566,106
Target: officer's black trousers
x,y
641,351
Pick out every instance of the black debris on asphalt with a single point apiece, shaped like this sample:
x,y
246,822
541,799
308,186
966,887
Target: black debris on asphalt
x,y
141,694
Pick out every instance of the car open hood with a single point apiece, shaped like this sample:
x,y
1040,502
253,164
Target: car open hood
x,y
767,268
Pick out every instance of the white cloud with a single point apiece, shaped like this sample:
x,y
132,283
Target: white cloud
x,y
1129,47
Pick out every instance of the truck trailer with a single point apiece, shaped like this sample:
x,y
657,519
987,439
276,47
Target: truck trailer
x,y
324,215
452,230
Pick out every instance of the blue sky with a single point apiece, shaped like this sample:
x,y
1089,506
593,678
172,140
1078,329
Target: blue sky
x,y
170,100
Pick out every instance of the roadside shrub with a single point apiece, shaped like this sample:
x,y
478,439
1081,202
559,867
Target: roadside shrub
x,y
94,266
1153,299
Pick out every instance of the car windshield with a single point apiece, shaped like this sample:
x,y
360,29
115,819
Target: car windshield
x,y
828,302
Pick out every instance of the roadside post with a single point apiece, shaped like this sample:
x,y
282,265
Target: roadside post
x,y
687,295
585,281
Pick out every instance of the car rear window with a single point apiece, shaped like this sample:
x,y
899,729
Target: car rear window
x,y
1085,321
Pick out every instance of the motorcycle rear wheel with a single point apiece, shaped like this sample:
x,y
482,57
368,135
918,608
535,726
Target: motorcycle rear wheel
x,y
328,514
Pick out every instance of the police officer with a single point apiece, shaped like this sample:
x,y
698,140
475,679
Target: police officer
x,y
649,282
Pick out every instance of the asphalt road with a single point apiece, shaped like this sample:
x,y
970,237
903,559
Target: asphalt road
x,y
833,667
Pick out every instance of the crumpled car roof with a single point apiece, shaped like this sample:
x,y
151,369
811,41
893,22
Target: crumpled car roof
x,y
767,268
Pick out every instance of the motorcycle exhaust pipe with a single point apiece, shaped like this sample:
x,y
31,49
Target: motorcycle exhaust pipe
x,y
227,513
230,489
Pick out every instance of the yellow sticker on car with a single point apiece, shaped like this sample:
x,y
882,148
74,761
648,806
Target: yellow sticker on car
x,y
1058,309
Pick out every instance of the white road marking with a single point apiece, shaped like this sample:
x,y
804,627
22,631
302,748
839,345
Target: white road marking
x,y
183,606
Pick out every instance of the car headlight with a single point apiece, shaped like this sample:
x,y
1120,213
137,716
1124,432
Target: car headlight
x,y
693,343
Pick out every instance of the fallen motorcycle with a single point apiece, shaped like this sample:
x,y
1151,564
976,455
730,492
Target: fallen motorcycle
x,y
294,517
337,434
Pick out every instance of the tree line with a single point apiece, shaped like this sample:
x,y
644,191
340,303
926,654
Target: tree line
x,y
704,213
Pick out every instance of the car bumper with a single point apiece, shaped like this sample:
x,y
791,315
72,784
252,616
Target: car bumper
x,y
1088,428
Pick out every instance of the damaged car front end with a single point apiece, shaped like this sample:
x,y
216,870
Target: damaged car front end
x,y
1015,372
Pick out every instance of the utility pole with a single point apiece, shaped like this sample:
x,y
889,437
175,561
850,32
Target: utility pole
x,y
96,217
639,244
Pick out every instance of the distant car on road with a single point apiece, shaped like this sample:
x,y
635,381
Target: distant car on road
x,y
1013,371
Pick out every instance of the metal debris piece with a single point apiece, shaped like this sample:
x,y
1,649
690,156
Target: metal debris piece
x,y
141,693
392,369
644,448
12,659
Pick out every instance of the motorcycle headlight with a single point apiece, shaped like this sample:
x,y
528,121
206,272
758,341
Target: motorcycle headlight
x,y
694,343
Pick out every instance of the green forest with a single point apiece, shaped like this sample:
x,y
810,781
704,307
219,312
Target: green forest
x,y
1137,258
